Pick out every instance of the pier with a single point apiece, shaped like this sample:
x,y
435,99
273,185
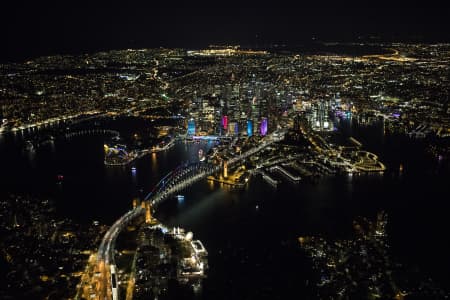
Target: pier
x,y
286,173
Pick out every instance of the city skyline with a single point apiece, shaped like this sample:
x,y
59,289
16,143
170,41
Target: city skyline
x,y
230,150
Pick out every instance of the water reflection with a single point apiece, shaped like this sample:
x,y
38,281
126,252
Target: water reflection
x,y
211,185
134,177
154,163
31,157
2,141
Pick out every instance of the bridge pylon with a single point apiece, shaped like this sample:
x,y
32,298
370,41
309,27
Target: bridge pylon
x,y
148,214
225,169
135,202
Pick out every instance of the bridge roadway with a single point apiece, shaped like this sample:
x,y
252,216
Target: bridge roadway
x,y
113,133
105,254
174,181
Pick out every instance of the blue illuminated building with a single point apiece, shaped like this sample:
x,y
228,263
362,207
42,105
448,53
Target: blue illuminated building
x,y
249,128
191,127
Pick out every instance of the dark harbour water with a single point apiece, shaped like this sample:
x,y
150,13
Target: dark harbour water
x,y
251,234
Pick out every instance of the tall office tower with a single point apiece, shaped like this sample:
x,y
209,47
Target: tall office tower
x,y
258,101
297,123
263,128
236,99
197,101
249,128
225,122
320,119
236,91
289,100
219,129
227,92
226,99
337,101
233,128
191,127
321,114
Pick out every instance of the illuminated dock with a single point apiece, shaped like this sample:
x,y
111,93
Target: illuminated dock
x,y
226,181
368,162
267,178
286,173
355,142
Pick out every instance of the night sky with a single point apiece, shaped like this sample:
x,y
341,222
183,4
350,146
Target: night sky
x,y
41,28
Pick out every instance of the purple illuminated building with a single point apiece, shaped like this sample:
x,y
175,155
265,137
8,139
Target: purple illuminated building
x,y
264,126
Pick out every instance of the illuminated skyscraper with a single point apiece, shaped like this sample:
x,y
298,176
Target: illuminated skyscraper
x,y
264,126
337,101
320,118
225,122
249,128
191,127
233,128
297,123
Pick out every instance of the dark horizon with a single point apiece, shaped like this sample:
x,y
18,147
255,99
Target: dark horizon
x,y
34,30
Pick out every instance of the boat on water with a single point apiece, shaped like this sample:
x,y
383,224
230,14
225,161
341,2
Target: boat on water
x,y
49,139
28,146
